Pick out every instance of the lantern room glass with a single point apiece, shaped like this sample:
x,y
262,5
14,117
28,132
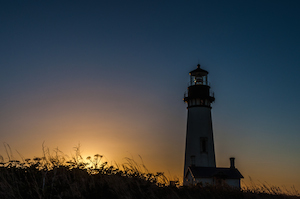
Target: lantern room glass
x,y
198,80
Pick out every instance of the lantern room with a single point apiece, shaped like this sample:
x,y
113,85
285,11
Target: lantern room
x,y
199,90
198,76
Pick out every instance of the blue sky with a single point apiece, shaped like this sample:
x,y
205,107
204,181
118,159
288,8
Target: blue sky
x,y
111,75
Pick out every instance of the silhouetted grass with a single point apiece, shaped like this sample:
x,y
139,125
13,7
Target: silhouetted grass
x,y
55,176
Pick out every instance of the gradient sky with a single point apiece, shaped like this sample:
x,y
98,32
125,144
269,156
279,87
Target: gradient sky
x,y
111,75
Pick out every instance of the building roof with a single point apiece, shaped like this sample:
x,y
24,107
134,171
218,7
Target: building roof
x,y
198,72
209,172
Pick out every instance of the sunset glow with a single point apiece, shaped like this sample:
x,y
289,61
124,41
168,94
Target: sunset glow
x,y
111,77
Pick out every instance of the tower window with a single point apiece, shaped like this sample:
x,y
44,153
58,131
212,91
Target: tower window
x,y
203,145
193,160
206,103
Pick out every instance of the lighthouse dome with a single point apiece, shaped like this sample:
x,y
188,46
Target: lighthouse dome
x,y
198,72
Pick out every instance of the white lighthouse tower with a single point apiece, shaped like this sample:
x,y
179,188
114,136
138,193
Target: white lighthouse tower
x,y
199,148
200,164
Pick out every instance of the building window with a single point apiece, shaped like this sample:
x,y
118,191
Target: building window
x,y
203,145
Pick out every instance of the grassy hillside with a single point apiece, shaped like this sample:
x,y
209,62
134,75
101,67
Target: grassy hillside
x,y
53,176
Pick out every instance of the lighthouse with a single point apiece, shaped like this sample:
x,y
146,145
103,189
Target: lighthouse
x,y
200,161
199,148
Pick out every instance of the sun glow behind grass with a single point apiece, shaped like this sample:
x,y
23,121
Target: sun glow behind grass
x,y
55,160
121,158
